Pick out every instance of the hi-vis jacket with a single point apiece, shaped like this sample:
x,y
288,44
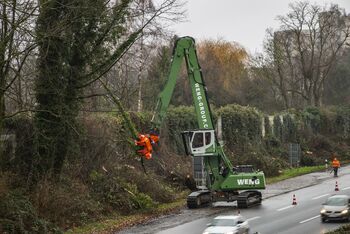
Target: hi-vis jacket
x,y
335,163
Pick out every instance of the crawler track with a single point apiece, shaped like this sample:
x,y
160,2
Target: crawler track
x,y
249,198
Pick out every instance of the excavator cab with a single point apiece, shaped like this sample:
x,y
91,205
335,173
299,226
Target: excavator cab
x,y
199,142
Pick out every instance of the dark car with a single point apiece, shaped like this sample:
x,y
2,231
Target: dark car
x,y
336,207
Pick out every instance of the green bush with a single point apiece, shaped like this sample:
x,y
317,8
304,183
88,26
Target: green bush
x,y
113,190
18,215
271,142
268,128
21,162
290,131
312,119
241,126
342,122
345,229
151,184
141,201
65,203
278,128
270,165
178,119
307,160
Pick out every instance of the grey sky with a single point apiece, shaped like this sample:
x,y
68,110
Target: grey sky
x,y
242,21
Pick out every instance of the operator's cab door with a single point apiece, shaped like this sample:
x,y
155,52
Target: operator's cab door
x,y
199,142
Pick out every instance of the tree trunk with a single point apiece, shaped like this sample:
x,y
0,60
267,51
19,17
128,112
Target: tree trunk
x,y
2,109
139,78
139,96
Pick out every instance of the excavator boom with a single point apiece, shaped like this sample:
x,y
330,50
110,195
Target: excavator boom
x,y
185,49
220,178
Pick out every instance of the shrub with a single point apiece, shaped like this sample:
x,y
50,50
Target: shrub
x,y
271,142
344,229
278,128
21,162
289,129
312,118
113,190
241,126
307,160
342,122
151,184
17,215
267,125
270,165
179,119
140,201
65,203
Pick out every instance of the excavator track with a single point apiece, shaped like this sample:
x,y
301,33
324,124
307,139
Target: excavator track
x,y
249,198
198,198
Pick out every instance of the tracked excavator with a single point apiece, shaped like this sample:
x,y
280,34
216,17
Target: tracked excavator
x,y
216,178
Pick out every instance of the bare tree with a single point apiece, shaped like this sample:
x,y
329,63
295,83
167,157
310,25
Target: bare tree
x,y
299,56
127,76
16,45
150,37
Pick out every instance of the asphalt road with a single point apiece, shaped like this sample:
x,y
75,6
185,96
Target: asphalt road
x,y
278,215
275,215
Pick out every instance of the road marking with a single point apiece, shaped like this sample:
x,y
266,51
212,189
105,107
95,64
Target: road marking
x,y
346,188
254,218
324,195
307,220
284,208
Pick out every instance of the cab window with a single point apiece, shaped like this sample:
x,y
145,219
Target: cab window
x,y
198,140
207,138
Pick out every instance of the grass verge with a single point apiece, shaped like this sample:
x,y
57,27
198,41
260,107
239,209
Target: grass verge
x,y
293,172
342,230
118,222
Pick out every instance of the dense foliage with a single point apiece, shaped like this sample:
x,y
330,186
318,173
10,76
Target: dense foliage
x,y
106,178
67,62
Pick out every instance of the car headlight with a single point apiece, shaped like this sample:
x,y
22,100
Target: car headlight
x,y
345,211
323,211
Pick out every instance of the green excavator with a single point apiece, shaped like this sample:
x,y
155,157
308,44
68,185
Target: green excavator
x,y
216,178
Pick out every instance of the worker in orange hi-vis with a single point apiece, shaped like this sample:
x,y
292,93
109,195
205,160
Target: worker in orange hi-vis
x,y
145,142
154,136
335,165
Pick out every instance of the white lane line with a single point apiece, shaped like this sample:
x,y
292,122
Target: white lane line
x,y
307,220
254,218
324,195
284,208
346,188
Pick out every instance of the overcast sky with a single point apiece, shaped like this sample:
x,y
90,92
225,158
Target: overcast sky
x,y
242,21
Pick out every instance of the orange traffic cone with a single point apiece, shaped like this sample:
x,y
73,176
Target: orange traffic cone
x,y
294,200
336,186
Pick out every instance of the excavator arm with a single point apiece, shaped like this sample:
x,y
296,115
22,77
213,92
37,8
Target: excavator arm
x,y
185,49
220,178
